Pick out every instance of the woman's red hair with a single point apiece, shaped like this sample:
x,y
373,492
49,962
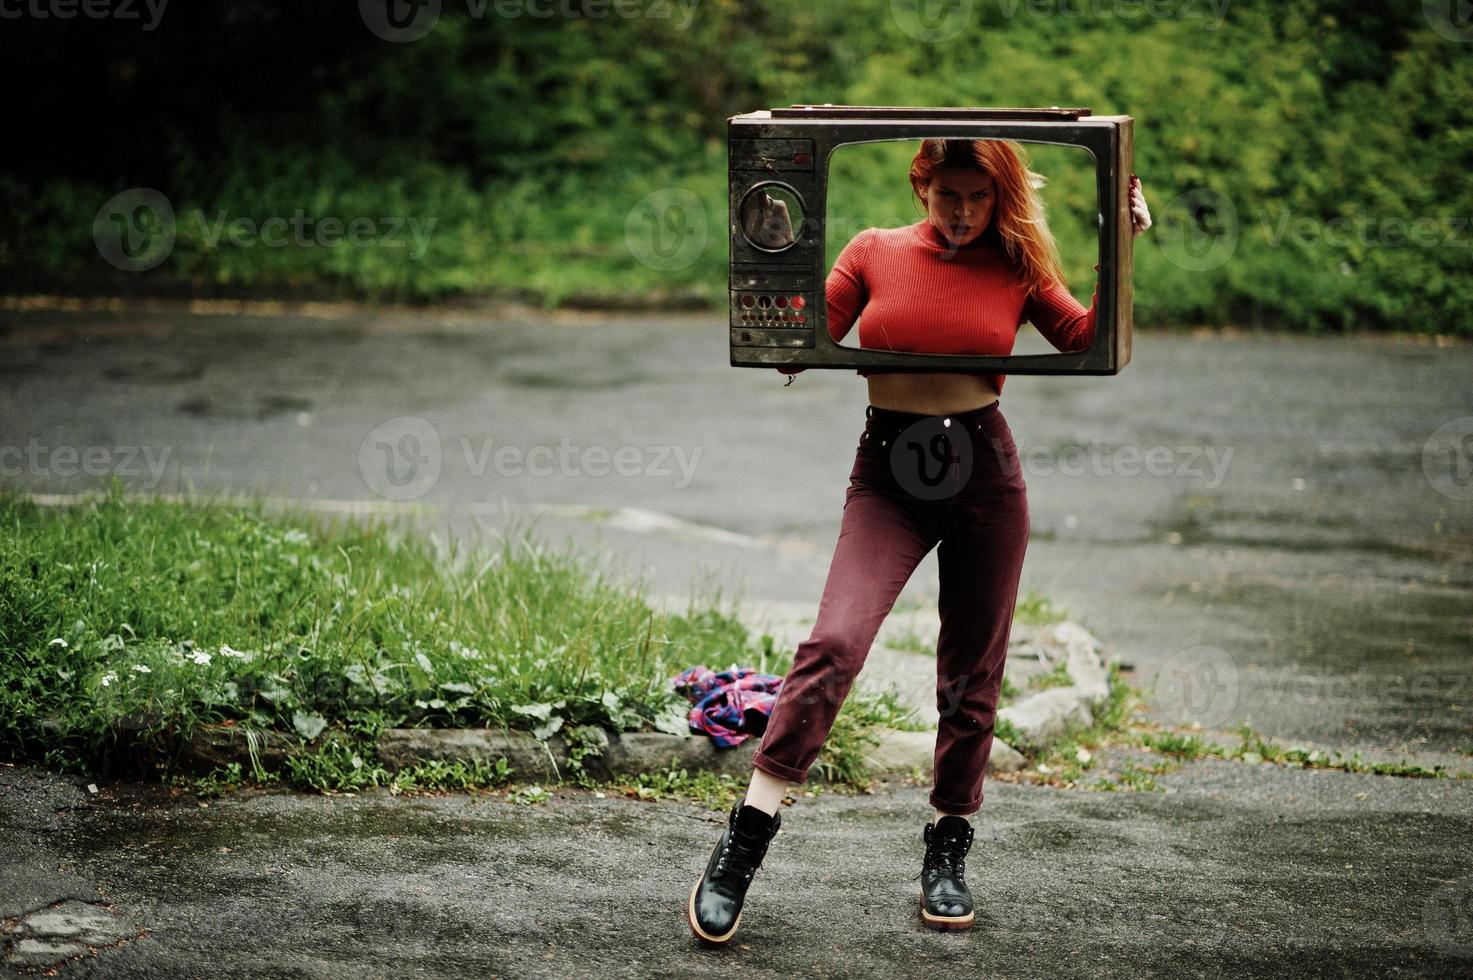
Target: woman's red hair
x,y
1018,226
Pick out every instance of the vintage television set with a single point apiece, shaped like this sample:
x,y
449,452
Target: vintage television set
x,y
779,165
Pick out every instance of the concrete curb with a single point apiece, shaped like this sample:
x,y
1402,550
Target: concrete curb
x,y
1038,718
1042,717
619,753
630,753
214,746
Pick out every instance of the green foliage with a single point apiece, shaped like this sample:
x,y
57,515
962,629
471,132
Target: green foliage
x,y
1056,676
1133,777
909,640
1325,138
1035,609
718,790
340,765
1071,751
1009,733
133,623
855,733
1009,690
1255,749
129,624
1179,745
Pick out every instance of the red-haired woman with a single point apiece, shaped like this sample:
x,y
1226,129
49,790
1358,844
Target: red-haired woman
x,y
960,281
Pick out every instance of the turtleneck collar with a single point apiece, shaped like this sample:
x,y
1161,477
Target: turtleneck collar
x,y
932,236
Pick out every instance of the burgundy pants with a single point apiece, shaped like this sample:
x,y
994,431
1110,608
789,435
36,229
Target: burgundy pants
x,y
917,481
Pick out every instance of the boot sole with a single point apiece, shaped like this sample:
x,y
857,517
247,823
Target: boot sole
x,y
695,927
940,921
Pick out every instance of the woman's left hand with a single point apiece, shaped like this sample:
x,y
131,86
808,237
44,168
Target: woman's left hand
x,y
1140,215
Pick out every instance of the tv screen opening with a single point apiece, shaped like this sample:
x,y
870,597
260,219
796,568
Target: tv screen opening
x,y
808,181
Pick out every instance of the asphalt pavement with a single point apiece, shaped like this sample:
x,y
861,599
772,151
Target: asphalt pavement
x,y
1272,530
1233,870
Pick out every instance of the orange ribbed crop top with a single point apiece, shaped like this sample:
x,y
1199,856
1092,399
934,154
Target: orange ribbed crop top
x,y
919,294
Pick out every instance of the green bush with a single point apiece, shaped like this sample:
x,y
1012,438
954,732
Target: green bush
x,y
1322,137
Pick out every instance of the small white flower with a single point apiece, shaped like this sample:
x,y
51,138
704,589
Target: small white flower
x,y
227,651
59,641
109,677
143,668
200,657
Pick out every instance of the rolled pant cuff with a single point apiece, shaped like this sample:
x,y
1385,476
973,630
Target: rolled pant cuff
x,y
773,768
965,809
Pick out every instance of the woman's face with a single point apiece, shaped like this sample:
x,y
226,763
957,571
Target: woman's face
x,y
959,203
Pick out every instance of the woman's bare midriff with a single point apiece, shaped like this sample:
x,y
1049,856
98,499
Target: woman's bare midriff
x,y
930,394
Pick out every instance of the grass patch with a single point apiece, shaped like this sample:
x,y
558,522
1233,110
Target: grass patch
x,y
855,734
1179,746
1008,692
1255,749
1068,759
1134,778
1009,733
1038,610
128,624
910,640
1056,676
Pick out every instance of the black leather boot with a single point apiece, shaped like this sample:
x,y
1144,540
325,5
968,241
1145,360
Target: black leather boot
x,y
946,902
715,906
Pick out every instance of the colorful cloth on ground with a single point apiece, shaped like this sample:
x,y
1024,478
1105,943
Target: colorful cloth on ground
x,y
731,706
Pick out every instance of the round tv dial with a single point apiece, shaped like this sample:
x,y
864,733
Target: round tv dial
x,y
772,217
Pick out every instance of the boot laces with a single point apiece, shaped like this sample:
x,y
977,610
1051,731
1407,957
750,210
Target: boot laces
x,y
947,855
741,854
